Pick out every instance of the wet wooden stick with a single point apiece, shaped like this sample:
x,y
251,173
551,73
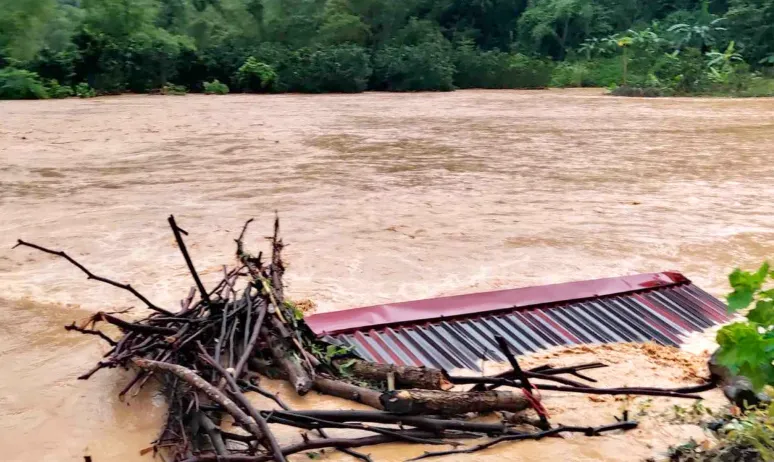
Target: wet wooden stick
x,y
181,244
526,386
213,432
256,330
685,392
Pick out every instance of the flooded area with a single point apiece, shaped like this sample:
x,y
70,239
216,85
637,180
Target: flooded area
x,y
383,197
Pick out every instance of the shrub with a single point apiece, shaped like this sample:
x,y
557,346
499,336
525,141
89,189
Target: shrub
x,y
604,72
172,89
426,66
646,92
58,91
475,68
342,69
215,88
21,84
567,74
759,86
684,73
525,72
83,90
255,76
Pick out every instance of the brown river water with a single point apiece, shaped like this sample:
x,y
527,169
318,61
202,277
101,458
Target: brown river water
x,y
383,197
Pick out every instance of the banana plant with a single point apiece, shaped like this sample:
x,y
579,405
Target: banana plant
x,y
723,59
593,47
624,43
697,34
721,64
767,60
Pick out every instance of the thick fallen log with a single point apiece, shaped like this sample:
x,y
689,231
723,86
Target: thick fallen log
x,y
290,363
433,402
330,386
405,376
348,391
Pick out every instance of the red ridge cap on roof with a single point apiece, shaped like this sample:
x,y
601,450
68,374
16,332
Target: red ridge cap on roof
x,y
485,302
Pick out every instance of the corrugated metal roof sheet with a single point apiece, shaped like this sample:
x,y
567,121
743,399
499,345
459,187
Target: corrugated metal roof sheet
x,y
660,307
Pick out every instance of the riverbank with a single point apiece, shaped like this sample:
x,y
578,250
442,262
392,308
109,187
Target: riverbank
x,y
384,197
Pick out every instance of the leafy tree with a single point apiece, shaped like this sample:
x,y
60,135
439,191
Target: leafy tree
x,y
344,28
491,24
554,26
751,24
22,26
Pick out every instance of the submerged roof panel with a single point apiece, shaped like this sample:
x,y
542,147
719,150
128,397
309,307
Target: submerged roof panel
x,y
457,332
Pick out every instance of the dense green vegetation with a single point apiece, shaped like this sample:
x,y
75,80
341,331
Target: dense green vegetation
x,y
52,48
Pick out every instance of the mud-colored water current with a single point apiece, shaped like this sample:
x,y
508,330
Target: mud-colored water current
x,y
383,197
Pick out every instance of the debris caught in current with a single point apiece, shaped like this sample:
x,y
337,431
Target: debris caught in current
x,y
211,353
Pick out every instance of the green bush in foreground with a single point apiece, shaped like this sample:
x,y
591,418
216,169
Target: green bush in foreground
x,y
747,347
215,88
748,437
21,84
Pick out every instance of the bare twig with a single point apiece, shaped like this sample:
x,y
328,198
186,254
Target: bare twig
x,y
588,431
91,275
98,333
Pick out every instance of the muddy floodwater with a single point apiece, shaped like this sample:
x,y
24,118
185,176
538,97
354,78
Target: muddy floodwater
x,y
383,197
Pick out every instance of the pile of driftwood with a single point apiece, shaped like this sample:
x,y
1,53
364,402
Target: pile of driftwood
x,y
210,354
